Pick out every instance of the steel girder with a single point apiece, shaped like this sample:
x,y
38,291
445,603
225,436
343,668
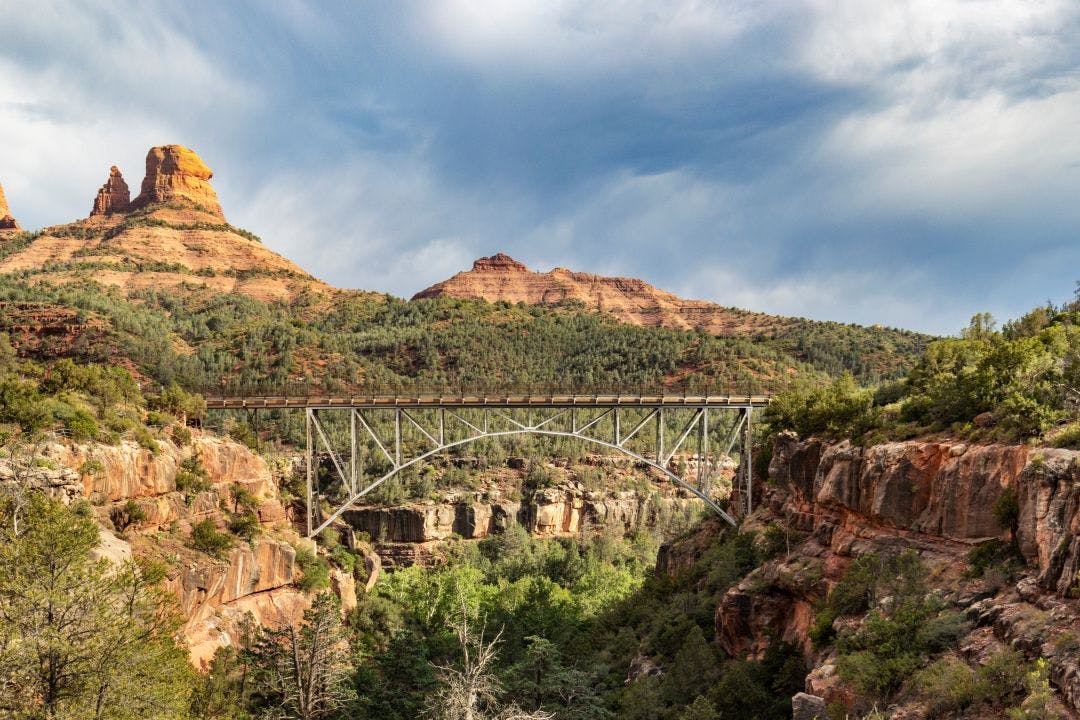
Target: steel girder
x,y
382,431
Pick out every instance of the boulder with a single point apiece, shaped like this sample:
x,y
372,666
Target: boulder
x,y
174,172
114,196
807,707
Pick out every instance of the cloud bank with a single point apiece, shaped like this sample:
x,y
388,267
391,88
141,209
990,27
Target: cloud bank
x,y
906,164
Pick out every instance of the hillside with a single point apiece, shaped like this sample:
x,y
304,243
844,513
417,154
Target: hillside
x,y
632,301
173,234
868,352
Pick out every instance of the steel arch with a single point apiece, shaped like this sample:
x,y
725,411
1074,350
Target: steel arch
x,y
437,437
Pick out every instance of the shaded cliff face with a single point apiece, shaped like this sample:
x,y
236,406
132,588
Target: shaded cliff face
x,y
633,301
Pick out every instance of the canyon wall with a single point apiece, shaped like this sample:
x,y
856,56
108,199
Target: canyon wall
x,y
935,497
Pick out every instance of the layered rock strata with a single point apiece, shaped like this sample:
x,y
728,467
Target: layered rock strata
x,y
174,172
935,497
402,533
113,197
215,595
7,222
501,278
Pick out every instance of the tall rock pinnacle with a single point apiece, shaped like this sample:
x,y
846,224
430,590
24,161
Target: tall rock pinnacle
x,y
174,172
114,196
6,221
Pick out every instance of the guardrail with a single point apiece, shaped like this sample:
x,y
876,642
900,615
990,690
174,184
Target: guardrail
x,y
506,400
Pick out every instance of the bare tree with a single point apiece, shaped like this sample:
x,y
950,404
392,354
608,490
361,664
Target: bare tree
x,y
303,669
18,456
471,691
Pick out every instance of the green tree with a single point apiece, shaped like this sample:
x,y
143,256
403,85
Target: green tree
x,y
81,638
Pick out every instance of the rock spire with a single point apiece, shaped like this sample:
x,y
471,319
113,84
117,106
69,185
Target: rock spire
x,y
174,172
114,196
6,221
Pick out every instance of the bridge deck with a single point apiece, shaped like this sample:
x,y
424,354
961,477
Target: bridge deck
x,y
467,400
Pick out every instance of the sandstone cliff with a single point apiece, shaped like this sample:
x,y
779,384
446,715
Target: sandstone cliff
x,y
174,172
500,277
172,236
215,595
410,534
936,497
7,222
113,197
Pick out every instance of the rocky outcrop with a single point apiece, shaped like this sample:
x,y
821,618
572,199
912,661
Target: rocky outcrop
x,y
550,512
264,565
113,197
934,492
7,222
633,301
174,172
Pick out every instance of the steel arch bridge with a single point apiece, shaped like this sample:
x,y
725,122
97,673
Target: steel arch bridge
x,y
407,429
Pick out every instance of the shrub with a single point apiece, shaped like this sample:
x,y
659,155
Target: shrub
x,y
126,515
244,525
145,439
181,435
206,538
314,571
192,476
1007,510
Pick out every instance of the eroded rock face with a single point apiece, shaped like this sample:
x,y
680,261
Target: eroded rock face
x,y
940,491
114,196
174,172
634,301
7,222
551,512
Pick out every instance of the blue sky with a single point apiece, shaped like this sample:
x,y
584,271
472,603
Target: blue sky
x,y
902,163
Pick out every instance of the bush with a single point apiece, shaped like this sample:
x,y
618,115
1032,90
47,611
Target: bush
x,y
314,571
123,517
1007,510
244,525
145,439
206,538
192,476
181,435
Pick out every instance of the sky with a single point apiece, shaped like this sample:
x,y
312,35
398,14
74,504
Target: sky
x,y
901,163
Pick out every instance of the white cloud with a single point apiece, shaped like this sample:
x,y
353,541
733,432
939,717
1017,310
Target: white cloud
x,y
574,40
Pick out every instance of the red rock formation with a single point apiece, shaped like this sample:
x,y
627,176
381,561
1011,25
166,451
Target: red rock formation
x,y
114,196
634,301
7,222
174,172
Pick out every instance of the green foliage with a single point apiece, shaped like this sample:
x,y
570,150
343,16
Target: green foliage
x,y
181,435
82,638
1007,510
145,438
126,515
314,571
839,409
206,538
191,476
895,638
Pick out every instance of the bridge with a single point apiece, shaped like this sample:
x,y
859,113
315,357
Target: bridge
x,y
684,437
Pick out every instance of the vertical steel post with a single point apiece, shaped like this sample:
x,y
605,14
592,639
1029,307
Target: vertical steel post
x,y
748,445
352,452
659,435
703,450
442,427
397,437
310,469
618,428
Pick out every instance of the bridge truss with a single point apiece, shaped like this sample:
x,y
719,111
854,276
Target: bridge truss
x,y
687,439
